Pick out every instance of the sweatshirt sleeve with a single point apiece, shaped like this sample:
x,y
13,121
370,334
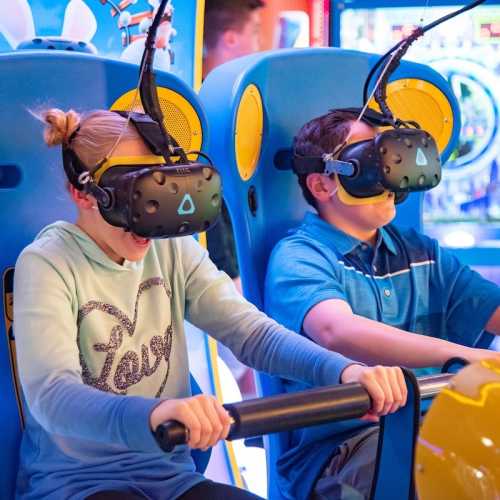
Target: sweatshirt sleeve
x,y
49,367
214,305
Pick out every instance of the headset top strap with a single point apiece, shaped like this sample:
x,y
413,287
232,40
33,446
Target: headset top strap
x,y
152,134
370,116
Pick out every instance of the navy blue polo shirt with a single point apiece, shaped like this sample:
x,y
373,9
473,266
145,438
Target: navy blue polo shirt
x,y
405,280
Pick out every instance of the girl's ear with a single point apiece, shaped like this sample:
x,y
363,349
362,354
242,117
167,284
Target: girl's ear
x,y
82,200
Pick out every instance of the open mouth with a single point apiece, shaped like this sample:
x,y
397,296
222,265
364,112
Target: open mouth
x,y
139,240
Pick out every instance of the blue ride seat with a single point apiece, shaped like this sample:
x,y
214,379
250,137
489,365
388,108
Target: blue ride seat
x,y
255,105
32,183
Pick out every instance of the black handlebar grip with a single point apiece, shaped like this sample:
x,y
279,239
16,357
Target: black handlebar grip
x,y
169,434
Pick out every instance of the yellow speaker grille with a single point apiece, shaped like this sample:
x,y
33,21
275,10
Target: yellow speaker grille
x,y
423,102
179,116
248,133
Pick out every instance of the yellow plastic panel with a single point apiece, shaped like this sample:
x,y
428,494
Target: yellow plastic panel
x,y
248,134
179,116
198,44
458,450
8,310
423,102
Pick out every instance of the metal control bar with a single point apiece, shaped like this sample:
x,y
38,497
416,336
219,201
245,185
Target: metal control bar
x,y
284,412
431,385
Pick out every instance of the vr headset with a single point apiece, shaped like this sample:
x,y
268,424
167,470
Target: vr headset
x,y
162,195
144,194
396,161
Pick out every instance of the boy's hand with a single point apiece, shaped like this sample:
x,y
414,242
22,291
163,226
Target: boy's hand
x,y
385,384
205,418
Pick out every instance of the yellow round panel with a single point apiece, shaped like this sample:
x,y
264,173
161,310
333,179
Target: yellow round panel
x,y
458,449
179,117
423,102
248,133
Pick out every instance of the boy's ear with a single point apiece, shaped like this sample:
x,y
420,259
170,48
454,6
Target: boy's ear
x,y
230,38
321,186
82,200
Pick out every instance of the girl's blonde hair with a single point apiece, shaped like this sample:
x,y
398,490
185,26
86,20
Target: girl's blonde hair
x,y
92,136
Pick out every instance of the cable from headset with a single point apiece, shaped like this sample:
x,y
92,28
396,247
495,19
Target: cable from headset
x,y
380,90
404,45
393,57
340,147
147,87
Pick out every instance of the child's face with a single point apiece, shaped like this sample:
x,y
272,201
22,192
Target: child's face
x,y
370,216
367,217
118,244
114,241
377,214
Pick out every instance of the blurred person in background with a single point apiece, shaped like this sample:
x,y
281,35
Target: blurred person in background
x,y
231,30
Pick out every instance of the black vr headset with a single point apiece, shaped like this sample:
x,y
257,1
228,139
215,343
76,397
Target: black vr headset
x,y
398,160
161,195
147,195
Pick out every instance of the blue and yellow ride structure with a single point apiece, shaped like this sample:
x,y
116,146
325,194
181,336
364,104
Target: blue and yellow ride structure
x,y
243,113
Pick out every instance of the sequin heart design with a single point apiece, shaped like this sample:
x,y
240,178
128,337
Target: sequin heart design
x,y
132,367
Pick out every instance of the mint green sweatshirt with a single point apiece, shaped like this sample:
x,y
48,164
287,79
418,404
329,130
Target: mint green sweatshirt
x,y
99,344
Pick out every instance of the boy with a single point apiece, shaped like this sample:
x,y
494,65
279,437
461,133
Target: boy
x,y
359,286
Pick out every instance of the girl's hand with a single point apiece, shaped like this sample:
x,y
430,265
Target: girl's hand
x,y
205,418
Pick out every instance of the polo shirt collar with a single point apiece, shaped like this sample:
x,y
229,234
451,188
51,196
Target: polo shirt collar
x,y
325,232
388,241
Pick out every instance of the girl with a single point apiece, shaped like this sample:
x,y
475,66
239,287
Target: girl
x,y
99,315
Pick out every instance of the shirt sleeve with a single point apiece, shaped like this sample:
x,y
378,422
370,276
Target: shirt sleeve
x,y
214,305
299,276
49,368
471,299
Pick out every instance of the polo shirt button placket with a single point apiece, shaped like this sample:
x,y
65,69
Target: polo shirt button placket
x,y
387,292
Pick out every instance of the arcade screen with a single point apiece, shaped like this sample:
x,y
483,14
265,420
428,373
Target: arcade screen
x,y
464,210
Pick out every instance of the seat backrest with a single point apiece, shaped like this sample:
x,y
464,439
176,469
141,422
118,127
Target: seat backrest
x,y
255,105
32,184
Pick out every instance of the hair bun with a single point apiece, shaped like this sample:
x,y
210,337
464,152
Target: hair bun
x,y
60,125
